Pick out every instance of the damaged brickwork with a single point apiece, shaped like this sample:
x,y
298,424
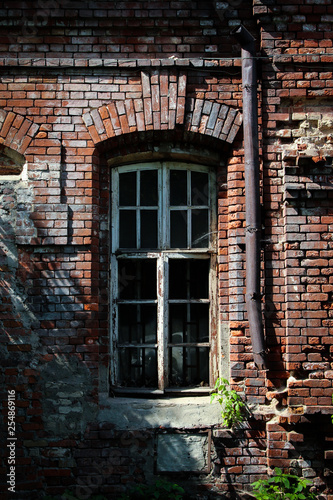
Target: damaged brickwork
x,y
86,87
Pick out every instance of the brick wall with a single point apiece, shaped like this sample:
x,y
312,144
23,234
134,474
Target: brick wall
x,y
136,30
85,86
296,37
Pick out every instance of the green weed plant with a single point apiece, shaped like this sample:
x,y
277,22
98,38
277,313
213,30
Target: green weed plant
x,y
282,486
233,409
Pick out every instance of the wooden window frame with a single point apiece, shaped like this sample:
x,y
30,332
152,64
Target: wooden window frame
x,y
163,255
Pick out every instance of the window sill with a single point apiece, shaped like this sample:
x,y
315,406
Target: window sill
x,y
152,393
134,413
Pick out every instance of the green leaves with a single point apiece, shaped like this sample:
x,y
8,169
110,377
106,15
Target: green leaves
x,y
233,409
282,486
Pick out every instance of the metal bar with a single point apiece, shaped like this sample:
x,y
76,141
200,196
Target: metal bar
x,y
189,344
123,345
162,323
189,301
136,301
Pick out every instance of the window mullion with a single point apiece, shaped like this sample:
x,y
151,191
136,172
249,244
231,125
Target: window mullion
x,y
189,211
115,210
114,319
164,207
214,339
138,214
162,321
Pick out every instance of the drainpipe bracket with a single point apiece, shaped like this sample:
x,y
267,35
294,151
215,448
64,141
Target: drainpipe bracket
x,y
248,87
251,229
255,297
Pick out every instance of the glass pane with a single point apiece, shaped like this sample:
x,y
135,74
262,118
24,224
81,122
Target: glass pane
x,y
200,232
199,189
198,328
137,278
189,366
178,187
149,323
127,229
188,279
148,188
137,323
178,286
199,278
188,323
148,228
138,367
127,189
176,370
178,229
177,323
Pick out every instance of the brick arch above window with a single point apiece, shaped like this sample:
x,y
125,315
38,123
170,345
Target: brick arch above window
x,y
163,106
16,131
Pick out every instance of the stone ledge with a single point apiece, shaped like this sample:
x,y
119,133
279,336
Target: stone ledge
x,y
49,63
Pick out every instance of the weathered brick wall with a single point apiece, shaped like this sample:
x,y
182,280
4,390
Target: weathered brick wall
x,y
137,30
297,200
83,84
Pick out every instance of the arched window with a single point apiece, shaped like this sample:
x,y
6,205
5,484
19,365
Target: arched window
x,y
163,269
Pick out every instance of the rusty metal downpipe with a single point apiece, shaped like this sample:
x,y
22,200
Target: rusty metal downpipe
x,y
252,193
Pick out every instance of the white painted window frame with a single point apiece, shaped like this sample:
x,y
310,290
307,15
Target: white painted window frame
x,y
162,256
